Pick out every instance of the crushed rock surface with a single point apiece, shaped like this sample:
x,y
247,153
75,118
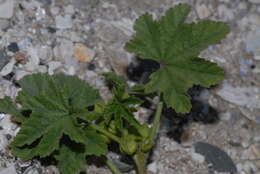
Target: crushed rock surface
x,y
86,38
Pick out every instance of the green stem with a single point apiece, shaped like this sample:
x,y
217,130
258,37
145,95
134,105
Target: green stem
x,y
112,167
140,158
106,133
140,162
156,121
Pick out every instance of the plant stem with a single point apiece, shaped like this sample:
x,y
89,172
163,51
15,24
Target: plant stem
x,y
112,167
140,158
140,162
156,121
106,133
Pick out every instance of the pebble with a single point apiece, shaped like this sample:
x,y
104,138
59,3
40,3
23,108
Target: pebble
x,y
249,167
8,68
13,47
152,167
8,170
53,65
51,170
64,53
32,170
45,53
42,69
203,11
33,60
255,1
3,24
253,44
219,159
197,157
6,8
63,22
83,53
4,58
3,141
69,9
242,96
225,13
19,74
255,148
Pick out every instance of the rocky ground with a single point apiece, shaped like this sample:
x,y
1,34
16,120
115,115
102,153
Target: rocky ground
x,y
86,38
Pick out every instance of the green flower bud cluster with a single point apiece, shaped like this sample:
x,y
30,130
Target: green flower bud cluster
x,y
128,144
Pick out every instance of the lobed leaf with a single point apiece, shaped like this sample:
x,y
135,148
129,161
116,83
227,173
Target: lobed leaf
x,y
56,103
176,46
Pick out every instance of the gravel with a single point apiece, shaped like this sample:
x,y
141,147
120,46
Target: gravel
x,y
86,38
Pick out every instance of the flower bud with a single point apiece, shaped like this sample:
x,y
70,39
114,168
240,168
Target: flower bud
x,y
128,144
112,127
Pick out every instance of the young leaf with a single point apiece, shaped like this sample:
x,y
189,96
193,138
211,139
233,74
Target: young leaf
x,y
118,107
176,46
120,113
118,84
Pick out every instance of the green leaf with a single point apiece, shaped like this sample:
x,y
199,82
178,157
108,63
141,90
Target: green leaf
x,y
118,108
70,161
7,106
176,46
118,83
95,143
56,102
25,153
120,113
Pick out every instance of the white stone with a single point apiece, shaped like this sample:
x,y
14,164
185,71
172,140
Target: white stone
x,y
257,138
40,13
64,53
125,25
33,61
249,167
71,70
255,1
225,12
63,22
9,170
7,125
69,9
2,116
42,69
8,68
3,141
226,116
152,167
242,96
53,65
253,43
203,11
3,23
20,74
55,11
6,8
45,53
24,44
197,157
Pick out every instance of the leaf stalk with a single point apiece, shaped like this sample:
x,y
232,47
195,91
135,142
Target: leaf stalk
x,y
105,132
112,166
